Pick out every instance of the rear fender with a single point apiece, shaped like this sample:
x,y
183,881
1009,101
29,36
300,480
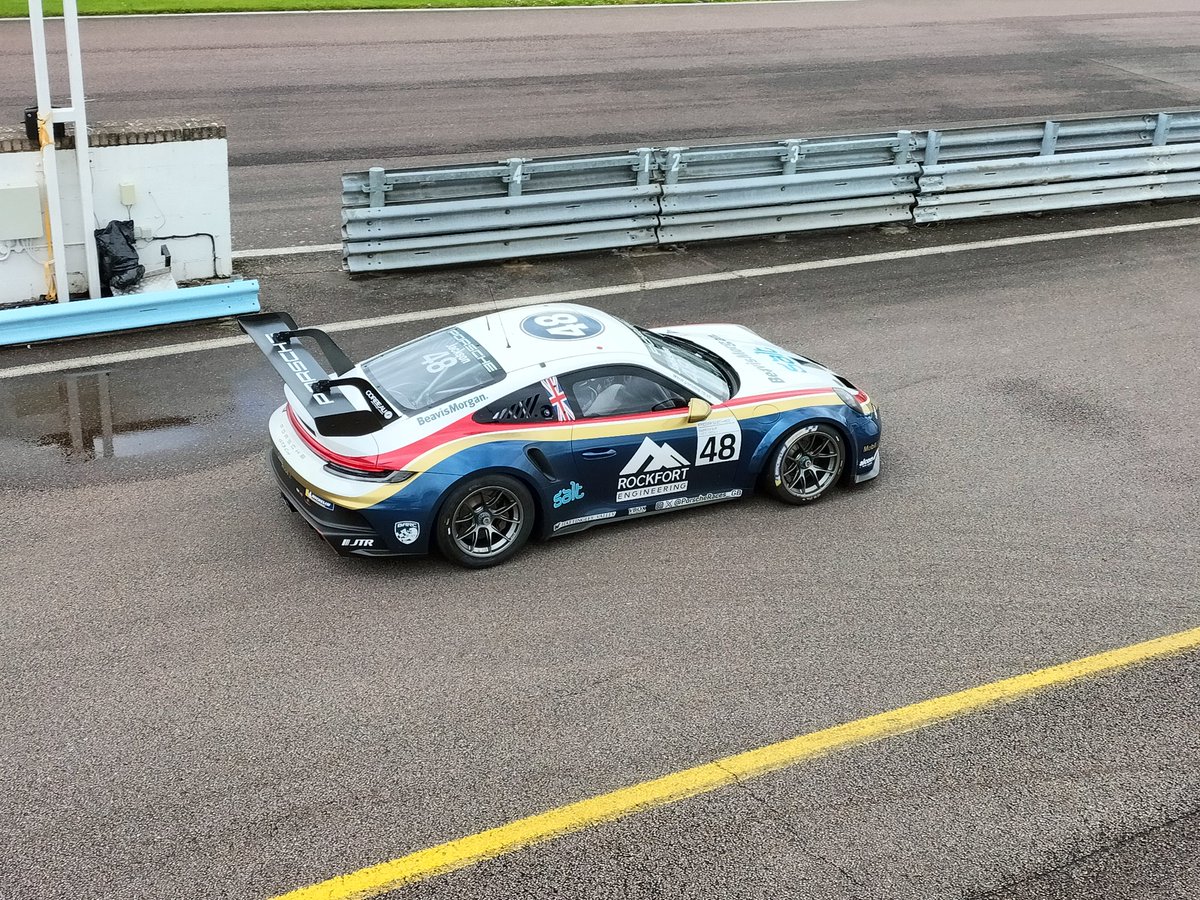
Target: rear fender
x,y
538,486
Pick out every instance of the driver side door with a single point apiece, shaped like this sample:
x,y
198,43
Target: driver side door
x,y
631,440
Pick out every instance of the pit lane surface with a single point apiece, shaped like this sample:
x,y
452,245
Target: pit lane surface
x,y
307,97
203,701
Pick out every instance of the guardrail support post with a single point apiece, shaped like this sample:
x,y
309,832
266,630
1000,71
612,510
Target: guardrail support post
x,y
375,186
1161,126
933,145
1049,139
643,165
904,147
516,175
674,164
794,153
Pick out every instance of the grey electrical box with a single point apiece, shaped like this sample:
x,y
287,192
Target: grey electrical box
x,y
20,212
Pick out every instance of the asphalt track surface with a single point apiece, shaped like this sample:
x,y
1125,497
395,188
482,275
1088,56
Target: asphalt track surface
x,y
308,97
201,700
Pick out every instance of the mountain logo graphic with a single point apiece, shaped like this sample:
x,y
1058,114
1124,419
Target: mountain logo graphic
x,y
652,457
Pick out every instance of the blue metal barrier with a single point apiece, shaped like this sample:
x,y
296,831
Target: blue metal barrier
x,y
28,324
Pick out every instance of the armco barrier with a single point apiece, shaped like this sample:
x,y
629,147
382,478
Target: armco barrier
x,y
1095,178
27,324
524,207
447,231
704,210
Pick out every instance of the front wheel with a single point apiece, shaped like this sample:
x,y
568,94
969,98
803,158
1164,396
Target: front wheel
x,y
806,464
485,520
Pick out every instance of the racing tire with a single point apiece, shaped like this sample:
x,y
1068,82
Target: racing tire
x,y
805,464
485,521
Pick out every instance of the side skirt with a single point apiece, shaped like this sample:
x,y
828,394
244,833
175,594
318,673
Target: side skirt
x,y
573,526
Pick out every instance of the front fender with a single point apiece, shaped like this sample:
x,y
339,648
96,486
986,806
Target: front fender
x,y
857,430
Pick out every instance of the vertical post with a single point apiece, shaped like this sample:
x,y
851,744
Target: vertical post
x,y
375,186
516,175
642,166
82,160
1162,125
1049,139
933,146
904,148
58,285
792,155
674,164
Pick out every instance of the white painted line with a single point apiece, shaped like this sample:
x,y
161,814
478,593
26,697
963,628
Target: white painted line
x,y
298,250
424,315
461,9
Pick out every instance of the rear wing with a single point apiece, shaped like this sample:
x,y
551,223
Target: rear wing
x,y
322,393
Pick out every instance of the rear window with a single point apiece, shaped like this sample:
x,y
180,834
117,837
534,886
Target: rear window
x,y
433,369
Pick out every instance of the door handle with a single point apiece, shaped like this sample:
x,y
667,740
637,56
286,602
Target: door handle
x,y
599,454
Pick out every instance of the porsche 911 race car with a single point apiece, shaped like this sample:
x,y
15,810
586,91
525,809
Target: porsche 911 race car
x,y
548,420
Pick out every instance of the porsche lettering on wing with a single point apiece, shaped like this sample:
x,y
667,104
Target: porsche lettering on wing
x,y
296,364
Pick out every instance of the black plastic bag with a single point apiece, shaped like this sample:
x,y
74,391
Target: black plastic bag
x,y
119,267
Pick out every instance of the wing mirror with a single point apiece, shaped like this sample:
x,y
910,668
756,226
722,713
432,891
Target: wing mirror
x,y
698,410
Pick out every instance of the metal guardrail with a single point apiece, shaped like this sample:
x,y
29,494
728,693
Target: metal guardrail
x,y
1095,178
523,207
458,231
378,187
1049,138
702,210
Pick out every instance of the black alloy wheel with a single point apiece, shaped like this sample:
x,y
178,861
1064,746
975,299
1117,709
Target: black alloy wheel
x,y
806,464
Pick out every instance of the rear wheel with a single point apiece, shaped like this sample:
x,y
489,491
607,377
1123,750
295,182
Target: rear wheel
x,y
806,464
485,520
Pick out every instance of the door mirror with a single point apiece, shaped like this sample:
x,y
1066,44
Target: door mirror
x,y
698,410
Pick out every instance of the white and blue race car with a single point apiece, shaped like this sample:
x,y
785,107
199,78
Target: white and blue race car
x,y
546,420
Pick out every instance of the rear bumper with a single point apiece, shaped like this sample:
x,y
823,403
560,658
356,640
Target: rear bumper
x,y
345,530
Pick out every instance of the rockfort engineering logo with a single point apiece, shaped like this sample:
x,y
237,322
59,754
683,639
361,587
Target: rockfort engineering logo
x,y
654,470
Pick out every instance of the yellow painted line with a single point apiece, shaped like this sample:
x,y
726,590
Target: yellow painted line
x,y
455,854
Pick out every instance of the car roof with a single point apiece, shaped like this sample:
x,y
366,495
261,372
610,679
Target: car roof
x,y
502,334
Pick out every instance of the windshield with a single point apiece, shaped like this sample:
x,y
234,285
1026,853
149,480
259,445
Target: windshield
x,y
679,357
433,369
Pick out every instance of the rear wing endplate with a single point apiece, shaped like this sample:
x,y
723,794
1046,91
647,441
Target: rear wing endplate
x,y
321,392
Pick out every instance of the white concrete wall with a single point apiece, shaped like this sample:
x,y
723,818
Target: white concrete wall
x,y
182,187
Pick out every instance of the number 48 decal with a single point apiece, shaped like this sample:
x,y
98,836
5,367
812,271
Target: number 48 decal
x,y
725,450
718,441
561,326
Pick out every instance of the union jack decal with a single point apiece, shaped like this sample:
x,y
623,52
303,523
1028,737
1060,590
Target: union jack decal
x,y
558,399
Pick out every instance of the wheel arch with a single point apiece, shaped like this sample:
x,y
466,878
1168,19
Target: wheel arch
x,y
780,432
540,515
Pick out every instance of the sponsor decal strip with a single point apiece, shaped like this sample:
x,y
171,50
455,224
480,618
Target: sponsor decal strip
x,y
597,517
710,497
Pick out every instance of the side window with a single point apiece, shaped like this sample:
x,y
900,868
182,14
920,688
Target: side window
x,y
530,404
622,391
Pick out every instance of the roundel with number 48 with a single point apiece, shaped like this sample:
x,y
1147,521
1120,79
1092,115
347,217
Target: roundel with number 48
x,y
561,326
